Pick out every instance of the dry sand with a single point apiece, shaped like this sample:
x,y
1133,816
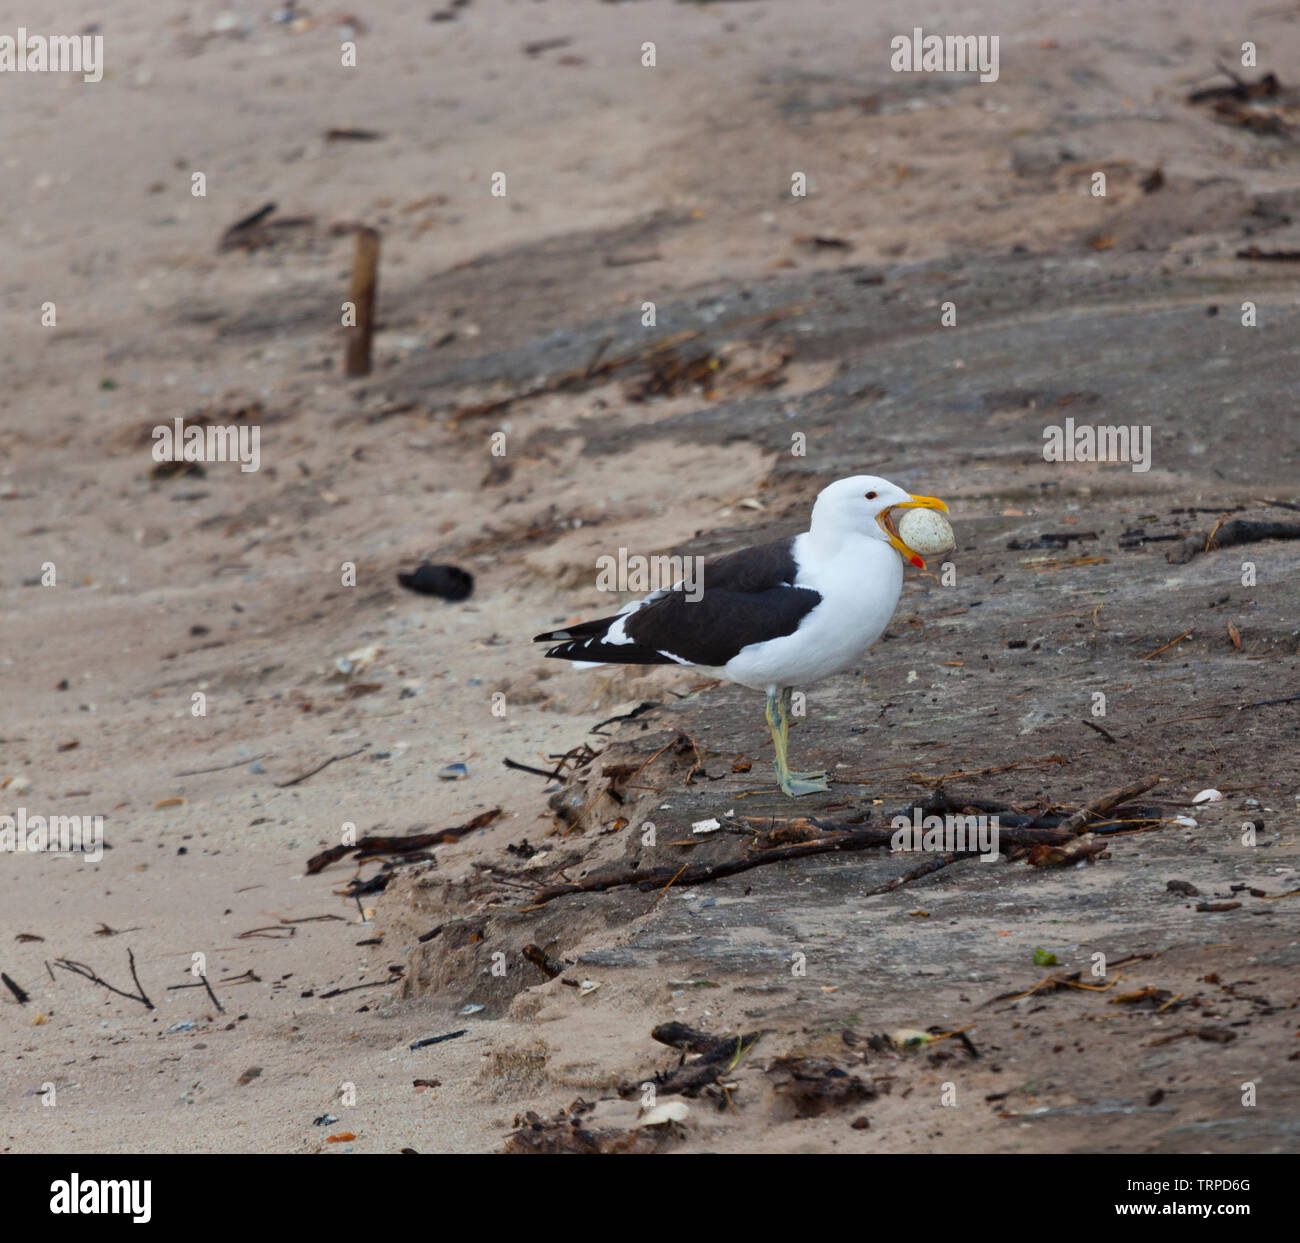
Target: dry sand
x,y
625,185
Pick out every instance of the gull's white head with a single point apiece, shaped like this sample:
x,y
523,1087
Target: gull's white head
x,y
863,505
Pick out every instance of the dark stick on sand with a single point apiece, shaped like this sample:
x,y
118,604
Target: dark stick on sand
x,y
365,282
201,982
333,759
80,968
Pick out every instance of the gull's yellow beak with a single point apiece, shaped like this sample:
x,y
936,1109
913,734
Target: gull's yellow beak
x,y
887,525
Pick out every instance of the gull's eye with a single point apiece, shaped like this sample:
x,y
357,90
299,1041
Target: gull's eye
x,y
871,496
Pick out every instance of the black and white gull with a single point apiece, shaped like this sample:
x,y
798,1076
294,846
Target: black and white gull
x,y
775,616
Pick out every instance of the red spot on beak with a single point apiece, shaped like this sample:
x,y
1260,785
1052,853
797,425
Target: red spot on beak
x,y
916,561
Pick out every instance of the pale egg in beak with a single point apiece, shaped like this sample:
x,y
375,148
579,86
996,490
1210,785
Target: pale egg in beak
x,y
886,522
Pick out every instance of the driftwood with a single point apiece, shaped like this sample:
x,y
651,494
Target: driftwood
x,y
718,1054
389,844
1107,803
830,843
657,878
1085,845
1237,531
802,837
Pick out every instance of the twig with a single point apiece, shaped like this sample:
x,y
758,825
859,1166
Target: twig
x,y
221,768
385,843
80,968
555,775
428,1040
1106,803
215,1002
337,992
933,864
18,992
202,982
1166,646
1105,733
699,763
639,710
1268,703
1070,979
1214,530
232,236
347,755
130,957
664,890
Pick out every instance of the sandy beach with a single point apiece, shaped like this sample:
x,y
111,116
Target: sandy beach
x,y
605,317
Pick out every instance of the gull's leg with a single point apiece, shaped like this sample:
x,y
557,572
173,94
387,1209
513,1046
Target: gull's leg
x,y
778,736
778,721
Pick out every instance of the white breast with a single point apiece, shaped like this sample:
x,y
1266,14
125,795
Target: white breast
x,y
860,586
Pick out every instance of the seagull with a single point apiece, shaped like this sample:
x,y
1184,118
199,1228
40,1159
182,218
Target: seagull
x,y
775,616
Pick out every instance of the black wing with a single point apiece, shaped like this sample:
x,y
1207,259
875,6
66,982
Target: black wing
x,y
748,597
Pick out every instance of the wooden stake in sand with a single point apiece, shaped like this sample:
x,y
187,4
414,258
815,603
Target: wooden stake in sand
x,y
365,281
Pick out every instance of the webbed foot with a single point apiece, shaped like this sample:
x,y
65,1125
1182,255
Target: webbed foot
x,y
797,784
